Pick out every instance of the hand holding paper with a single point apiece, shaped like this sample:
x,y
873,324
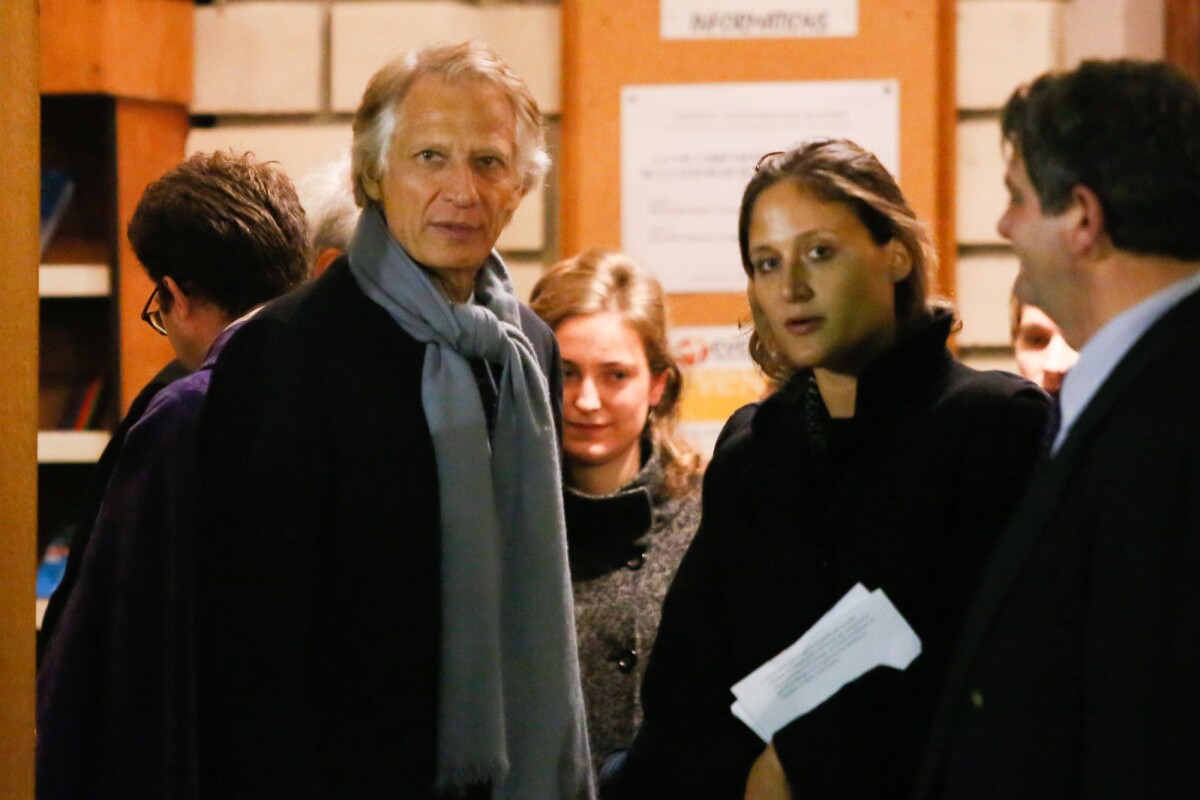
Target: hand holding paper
x,y
767,780
862,631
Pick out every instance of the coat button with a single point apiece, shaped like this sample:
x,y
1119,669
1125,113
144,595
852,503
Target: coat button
x,y
636,561
627,660
977,699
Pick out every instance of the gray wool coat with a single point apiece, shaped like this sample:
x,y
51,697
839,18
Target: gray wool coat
x,y
624,549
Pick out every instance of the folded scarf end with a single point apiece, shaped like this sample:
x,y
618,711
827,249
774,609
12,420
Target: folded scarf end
x,y
458,781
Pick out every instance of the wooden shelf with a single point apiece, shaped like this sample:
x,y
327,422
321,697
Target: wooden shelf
x,y
116,81
74,280
71,447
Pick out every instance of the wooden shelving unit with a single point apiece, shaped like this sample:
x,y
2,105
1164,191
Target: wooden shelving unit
x,y
116,81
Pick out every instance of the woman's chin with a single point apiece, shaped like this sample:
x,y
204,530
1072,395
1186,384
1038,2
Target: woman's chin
x,y
589,456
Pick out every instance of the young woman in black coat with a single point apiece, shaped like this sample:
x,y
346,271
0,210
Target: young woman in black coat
x,y
880,460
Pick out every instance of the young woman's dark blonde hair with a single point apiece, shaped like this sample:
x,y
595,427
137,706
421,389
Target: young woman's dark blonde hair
x,y
599,281
839,171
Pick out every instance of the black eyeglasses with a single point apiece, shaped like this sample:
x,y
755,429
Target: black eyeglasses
x,y
153,318
758,166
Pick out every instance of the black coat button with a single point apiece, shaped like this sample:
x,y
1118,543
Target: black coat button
x,y
627,660
636,561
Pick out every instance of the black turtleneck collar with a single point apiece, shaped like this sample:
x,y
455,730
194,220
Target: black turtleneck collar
x,y
604,532
899,375
908,369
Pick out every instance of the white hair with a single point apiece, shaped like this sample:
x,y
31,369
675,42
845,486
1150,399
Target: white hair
x,y
328,199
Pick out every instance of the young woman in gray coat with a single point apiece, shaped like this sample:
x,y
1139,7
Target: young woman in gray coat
x,y
632,486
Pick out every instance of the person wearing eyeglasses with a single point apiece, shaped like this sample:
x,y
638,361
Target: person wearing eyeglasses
x,y
219,235
880,460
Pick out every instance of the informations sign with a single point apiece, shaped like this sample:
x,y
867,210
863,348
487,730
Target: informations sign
x,y
758,19
687,151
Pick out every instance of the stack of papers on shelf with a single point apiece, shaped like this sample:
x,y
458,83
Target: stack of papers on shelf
x,y
862,631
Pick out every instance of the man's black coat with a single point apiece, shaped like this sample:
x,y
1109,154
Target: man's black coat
x,y
318,572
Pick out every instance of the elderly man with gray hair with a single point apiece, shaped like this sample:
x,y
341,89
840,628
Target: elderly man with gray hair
x,y
328,198
382,595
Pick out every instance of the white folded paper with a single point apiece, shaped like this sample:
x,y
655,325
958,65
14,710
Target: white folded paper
x,y
862,631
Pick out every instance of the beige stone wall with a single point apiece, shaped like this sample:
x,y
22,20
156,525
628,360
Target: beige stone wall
x,y
1001,44
282,78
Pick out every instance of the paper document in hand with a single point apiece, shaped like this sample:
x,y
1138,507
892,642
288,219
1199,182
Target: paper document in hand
x,y
862,631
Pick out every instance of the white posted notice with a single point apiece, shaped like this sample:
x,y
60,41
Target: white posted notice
x,y
758,19
688,150
862,631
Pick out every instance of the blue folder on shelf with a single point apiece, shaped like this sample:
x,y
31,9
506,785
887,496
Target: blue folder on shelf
x,y
57,188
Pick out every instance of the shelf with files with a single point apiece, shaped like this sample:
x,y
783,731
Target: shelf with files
x,y
78,342
113,119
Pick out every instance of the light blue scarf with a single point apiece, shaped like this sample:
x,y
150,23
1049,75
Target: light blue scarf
x,y
510,708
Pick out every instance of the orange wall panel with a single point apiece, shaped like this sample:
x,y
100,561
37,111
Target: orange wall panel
x,y
128,48
151,138
608,45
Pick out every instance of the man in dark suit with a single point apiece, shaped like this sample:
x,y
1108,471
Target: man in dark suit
x,y
1078,671
382,597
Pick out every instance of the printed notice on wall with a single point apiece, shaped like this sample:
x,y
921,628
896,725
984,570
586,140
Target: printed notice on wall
x,y
758,19
687,151
718,379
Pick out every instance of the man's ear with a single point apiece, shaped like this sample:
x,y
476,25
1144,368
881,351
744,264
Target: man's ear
x,y
324,259
899,260
1087,222
182,307
370,185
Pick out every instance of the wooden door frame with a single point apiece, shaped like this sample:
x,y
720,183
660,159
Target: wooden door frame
x,y
1182,35
19,146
